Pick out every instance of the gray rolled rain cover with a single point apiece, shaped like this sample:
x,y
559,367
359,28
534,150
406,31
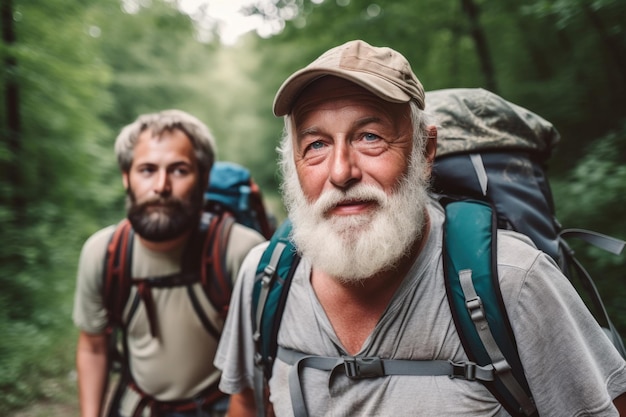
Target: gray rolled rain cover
x,y
513,143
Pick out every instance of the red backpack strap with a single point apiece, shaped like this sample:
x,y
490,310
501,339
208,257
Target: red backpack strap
x,y
256,203
117,272
214,274
201,401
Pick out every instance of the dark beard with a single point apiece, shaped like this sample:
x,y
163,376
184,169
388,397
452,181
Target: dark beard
x,y
164,218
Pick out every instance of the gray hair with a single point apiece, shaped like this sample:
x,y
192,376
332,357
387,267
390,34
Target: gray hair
x,y
419,122
167,120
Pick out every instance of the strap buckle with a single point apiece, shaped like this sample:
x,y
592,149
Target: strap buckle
x,y
464,370
475,309
363,367
268,273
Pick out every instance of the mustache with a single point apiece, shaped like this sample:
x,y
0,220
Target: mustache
x,y
160,201
359,193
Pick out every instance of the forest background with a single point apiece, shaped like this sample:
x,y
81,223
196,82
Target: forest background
x,y
74,72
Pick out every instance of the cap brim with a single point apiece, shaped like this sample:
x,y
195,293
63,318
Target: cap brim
x,y
294,85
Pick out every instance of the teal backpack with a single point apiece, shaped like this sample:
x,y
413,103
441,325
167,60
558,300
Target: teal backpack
x,y
497,364
489,174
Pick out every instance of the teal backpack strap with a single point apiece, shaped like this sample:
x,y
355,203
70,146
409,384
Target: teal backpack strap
x,y
271,287
473,289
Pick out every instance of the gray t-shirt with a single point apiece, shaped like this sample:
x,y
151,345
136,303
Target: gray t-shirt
x,y
179,363
573,369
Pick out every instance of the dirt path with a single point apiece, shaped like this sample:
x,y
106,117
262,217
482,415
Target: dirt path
x,y
61,400
49,410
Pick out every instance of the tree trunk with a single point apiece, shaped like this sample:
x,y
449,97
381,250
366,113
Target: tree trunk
x,y
13,127
480,40
613,45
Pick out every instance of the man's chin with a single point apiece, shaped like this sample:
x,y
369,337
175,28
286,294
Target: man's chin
x,y
350,222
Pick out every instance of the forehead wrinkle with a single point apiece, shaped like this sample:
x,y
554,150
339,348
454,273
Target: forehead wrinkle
x,y
357,123
367,120
307,131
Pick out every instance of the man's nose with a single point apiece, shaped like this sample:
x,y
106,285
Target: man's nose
x,y
344,167
162,183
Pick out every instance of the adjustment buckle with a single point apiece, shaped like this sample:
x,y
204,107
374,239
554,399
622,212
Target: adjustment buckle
x,y
475,309
268,273
464,370
363,367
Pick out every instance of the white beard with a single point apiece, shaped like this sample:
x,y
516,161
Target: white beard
x,y
354,248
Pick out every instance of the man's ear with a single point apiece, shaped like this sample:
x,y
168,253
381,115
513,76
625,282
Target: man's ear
x,y
125,180
430,150
205,178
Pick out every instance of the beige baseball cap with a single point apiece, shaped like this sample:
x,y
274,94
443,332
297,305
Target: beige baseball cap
x,y
381,70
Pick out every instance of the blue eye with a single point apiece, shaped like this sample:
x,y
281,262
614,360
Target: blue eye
x,y
370,137
316,145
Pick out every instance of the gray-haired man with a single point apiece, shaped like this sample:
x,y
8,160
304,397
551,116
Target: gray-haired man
x,y
356,158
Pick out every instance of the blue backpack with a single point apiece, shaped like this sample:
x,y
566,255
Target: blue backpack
x,y
232,189
483,138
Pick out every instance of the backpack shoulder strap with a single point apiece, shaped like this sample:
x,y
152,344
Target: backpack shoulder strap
x,y
273,278
256,204
473,290
214,273
117,272
116,286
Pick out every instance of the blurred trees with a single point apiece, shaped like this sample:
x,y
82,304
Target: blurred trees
x,y
593,195
48,159
75,72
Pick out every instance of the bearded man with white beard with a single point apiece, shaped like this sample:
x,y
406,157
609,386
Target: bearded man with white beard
x,y
356,159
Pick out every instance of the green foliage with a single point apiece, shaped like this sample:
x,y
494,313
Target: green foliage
x,y
167,67
151,53
85,69
45,187
592,196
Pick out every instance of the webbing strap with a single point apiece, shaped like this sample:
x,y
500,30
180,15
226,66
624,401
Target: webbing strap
x,y
259,373
205,400
596,299
501,366
373,367
268,274
599,240
259,390
479,169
